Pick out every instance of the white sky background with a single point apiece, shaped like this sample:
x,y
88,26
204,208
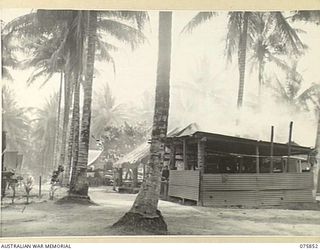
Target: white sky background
x,y
215,107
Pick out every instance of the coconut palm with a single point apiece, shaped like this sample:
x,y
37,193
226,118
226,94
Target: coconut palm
x,y
290,92
144,215
71,27
106,113
267,47
14,121
80,186
240,27
313,16
45,131
8,59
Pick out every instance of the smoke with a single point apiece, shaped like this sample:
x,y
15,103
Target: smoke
x,y
211,103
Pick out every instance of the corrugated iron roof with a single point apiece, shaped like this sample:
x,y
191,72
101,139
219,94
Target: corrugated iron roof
x,y
135,155
93,155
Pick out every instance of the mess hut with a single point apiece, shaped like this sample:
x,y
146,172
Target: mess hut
x,y
220,170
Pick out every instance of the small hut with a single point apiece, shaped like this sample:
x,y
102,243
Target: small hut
x,y
95,175
131,168
220,170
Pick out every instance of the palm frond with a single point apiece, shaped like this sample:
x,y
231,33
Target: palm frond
x,y
280,63
123,32
138,17
234,30
307,15
198,19
288,34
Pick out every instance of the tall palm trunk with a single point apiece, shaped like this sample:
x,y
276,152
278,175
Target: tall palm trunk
x,y
67,91
242,57
74,135
260,78
316,166
56,145
145,205
81,186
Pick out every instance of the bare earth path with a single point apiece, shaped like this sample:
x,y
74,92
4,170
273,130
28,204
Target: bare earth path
x,y
49,219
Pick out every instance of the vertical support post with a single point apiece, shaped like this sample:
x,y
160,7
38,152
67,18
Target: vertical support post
x,y
185,157
135,176
289,146
120,176
40,187
257,159
241,164
201,166
144,171
172,157
271,149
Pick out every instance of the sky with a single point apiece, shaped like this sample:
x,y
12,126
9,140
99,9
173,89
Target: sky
x,y
197,60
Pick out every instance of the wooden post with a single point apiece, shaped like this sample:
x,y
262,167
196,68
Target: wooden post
x,y
120,176
289,146
144,171
271,149
257,159
241,164
185,157
40,187
201,167
172,157
135,176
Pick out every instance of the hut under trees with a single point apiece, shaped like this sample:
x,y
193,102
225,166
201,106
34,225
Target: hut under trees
x,y
220,170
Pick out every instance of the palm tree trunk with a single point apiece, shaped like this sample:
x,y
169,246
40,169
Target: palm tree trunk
x,y
74,138
144,213
67,87
260,78
56,145
81,183
242,57
315,168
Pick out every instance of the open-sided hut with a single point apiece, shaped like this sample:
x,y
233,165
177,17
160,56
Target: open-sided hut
x,y
220,170
131,167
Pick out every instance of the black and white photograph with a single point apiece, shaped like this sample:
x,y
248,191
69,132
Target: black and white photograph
x,y
120,122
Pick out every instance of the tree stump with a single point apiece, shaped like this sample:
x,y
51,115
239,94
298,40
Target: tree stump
x,y
134,223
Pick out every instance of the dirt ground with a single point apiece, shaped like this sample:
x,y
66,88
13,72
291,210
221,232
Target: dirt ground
x,y
45,218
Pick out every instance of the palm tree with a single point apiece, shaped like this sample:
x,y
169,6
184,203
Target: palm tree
x,y
106,113
45,131
144,215
290,92
14,121
240,28
312,16
80,187
8,59
267,47
68,27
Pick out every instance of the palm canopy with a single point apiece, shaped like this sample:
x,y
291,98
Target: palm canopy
x,y
8,58
307,15
274,22
14,120
266,30
290,91
107,113
45,120
56,37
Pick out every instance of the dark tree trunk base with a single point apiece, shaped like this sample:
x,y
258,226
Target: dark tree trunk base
x,y
134,224
76,199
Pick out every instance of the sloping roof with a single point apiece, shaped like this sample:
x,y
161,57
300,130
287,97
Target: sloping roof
x,y
135,155
93,156
236,144
187,131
